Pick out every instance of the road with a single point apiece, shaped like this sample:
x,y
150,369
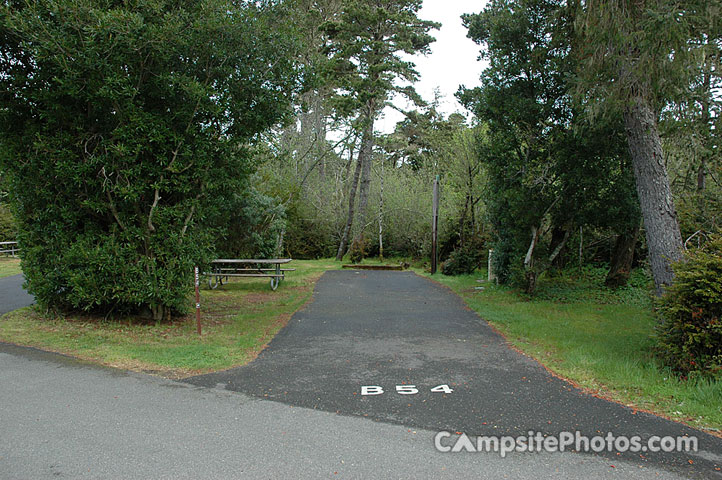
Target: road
x,y
392,329
12,294
297,411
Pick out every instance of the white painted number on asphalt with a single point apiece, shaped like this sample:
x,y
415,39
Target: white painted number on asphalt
x,y
403,389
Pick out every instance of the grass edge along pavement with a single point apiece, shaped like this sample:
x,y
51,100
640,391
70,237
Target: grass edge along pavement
x,y
239,320
599,343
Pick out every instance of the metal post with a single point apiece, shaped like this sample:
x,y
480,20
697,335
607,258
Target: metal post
x,y
198,301
434,225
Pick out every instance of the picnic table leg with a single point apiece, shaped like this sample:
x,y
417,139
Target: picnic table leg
x,y
214,278
276,279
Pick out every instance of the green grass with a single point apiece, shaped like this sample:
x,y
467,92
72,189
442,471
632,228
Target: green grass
x,y
9,266
238,319
597,338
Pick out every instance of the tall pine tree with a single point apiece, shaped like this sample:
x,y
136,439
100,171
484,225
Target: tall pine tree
x,y
365,46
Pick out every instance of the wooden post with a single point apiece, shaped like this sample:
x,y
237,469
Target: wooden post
x,y
434,225
198,301
491,275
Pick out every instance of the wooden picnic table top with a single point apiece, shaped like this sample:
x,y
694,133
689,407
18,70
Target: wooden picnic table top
x,y
265,261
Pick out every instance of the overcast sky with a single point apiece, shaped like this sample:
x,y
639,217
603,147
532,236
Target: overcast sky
x,y
452,62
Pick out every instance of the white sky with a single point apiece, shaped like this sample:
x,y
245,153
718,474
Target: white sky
x,y
452,62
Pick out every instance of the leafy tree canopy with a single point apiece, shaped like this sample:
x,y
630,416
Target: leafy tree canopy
x,y
121,125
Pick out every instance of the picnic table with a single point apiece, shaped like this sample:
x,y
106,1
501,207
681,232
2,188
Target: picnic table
x,y
224,268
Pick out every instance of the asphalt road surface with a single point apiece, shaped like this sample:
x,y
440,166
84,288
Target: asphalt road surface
x,y
12,294
389,329
298,412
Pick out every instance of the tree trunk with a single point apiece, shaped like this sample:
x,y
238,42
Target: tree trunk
x,y
622,258
529,273
365,159
160,313
559,235
532,272
531,277
321,131
381,214
462,222
655,197
351,203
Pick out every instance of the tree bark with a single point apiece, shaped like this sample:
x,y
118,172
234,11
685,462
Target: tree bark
x,y
559,235
622,258
664,239
532,271
462,221
381,213
351,204
365,159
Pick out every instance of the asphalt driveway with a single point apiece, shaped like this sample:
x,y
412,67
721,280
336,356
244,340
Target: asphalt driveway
x,y
388,329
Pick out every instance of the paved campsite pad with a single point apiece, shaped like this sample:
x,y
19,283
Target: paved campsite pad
x,y
390,328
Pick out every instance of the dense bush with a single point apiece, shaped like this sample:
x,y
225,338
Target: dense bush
x,y
254,223
462,261
124,127
690,336
7,224
314,222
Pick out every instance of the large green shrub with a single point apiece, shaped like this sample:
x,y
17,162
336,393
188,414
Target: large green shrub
x,y
123,126
462,261
690,336
255,223
7,224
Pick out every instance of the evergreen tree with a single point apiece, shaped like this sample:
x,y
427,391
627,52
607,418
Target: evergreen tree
x,y
364,46
637,58
549,169
122,125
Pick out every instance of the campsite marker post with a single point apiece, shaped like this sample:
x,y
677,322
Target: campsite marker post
x,y
198,301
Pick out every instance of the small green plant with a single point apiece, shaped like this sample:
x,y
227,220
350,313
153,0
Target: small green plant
x,y
690,336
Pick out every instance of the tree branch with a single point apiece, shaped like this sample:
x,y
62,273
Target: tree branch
x,y
558,250
114,210
189,217
156,198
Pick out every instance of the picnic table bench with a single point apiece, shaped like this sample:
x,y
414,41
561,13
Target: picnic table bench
x,y
269,268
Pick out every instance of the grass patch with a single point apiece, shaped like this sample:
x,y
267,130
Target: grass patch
x,y
598,338
9,266
239,319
